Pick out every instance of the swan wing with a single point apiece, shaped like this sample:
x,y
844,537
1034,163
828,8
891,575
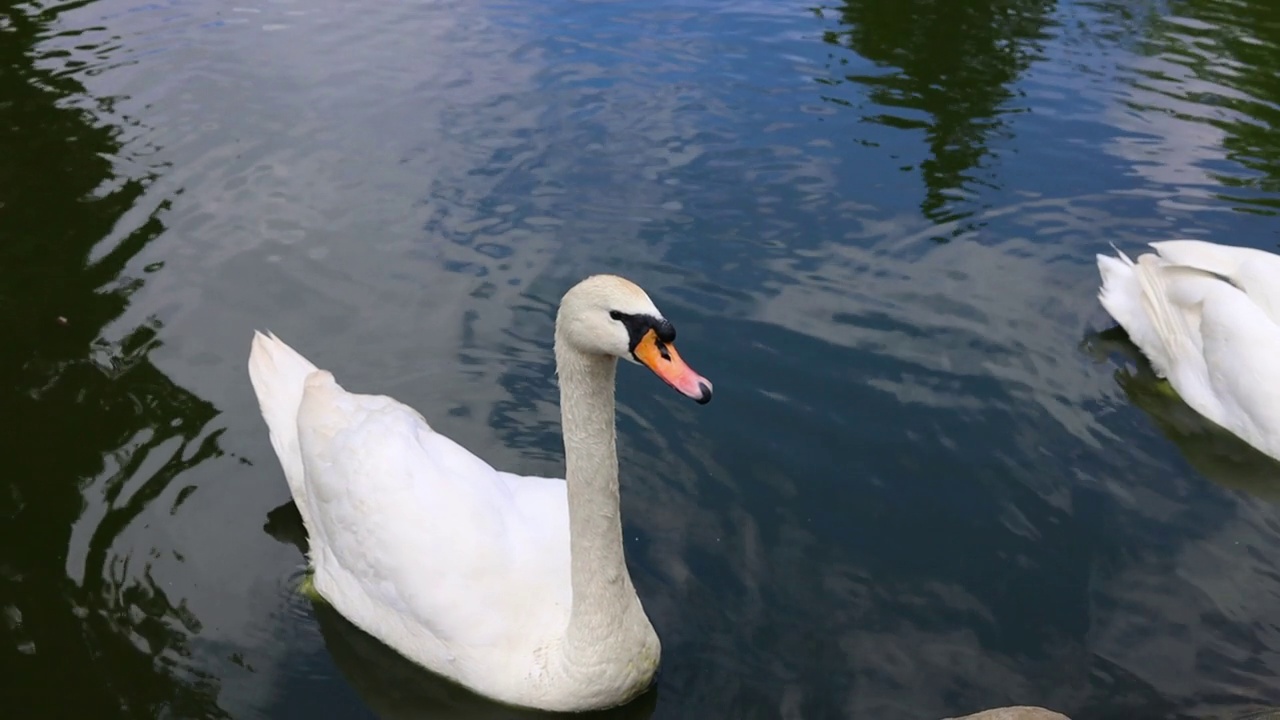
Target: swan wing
x,y
1241,346
423,528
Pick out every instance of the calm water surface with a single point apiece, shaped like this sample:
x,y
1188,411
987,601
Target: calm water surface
x,y
927,485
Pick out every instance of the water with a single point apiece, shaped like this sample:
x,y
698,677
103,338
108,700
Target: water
x,y
927,485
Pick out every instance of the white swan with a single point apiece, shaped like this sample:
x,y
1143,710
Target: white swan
x,y
1207,316
515,587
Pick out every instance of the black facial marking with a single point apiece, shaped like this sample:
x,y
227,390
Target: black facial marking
x,y
638,325
666,331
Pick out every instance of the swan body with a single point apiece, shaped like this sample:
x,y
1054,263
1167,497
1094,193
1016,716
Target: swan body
x,y
513,586
1207,316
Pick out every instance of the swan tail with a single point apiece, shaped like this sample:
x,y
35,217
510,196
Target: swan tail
x,y
279,374
1121,296
1118,282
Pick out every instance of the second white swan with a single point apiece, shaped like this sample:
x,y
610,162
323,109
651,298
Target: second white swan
x,y
1207,316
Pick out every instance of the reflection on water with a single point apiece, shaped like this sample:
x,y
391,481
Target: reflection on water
x,y
916,495
948,70
98,438
1215,453
1216,62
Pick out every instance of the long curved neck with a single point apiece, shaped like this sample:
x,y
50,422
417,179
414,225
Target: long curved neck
x,y
604,600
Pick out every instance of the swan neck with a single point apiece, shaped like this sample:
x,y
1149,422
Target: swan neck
x,y
604,600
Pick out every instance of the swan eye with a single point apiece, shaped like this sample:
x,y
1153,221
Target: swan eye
x,y
615,315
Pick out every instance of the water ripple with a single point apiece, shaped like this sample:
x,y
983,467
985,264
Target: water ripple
x,y
928,484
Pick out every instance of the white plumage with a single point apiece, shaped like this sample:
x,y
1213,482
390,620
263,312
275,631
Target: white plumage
x,y
513,586
1207,316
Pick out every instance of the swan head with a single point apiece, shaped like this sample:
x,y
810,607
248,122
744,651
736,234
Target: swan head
x,y
609,315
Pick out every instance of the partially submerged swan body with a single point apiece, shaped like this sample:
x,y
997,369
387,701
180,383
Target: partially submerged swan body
x,y
1019,712
1207,316
515,587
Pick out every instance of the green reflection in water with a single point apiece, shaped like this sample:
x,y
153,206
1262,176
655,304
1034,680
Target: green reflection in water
x,y
100,433
1230,52
948,70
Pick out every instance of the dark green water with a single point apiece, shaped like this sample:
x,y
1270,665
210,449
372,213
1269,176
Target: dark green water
x,y
925,486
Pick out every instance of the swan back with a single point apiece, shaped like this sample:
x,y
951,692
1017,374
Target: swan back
x,y
1255,272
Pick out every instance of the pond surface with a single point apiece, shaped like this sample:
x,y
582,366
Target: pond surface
x,y
930,482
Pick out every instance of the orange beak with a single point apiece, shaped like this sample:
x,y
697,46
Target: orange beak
x,y
665,362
